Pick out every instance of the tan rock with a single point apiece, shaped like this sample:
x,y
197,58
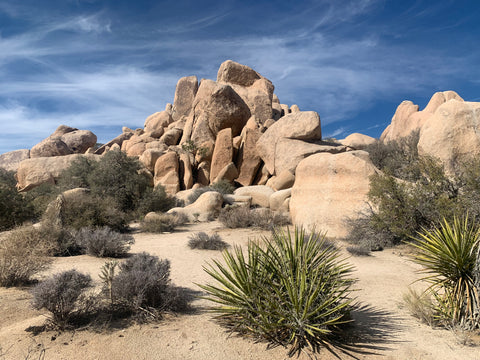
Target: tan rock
x,y
185,92
289,153
262,176
50,147
228,173
203,173
232,199
328,189
248,160
171,137
278,200
358,141
185,172
235,73
149,158
37,171
407,118
12,159
222,153
79,141
303,125
158,120
124,136
451,134
62,130
283,180
260,194
166,173
206,207
294,108
204,151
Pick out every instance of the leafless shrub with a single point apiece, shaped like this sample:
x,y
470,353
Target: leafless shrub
x,y
103,242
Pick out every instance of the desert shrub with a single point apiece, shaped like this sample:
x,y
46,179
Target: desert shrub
x,y
40,197
223,187
162,223
420,305
448,254
363,234
203,241
87,211
356,250
144,282
288,291
15,209
398,157
114,175
61,294
23,254
156,200
243,217
103,242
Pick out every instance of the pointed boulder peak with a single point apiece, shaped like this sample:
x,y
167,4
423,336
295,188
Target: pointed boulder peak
x,y
185,92
235,73
62,130
440,98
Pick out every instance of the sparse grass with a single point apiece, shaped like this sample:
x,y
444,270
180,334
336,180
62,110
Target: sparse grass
x,y
162,223
23,253
103,242
291,291
421,306
203,241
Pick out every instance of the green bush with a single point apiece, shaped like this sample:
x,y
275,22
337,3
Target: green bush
x,y
288,291
203,241
449,255
84,210
61,294
15,208
156,200
24,252
103,242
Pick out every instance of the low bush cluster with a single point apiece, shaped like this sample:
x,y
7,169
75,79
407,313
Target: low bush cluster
x,y
103,242
203,241
61,294
243,217
162,223
291,291
24,252
142,288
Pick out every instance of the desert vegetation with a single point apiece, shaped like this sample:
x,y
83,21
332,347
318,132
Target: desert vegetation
x,y
203,241
234,217
288,290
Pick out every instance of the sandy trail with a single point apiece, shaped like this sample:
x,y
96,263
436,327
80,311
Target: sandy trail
x,y
385,328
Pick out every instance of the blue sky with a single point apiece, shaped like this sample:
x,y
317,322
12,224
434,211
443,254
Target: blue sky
x,y
100,65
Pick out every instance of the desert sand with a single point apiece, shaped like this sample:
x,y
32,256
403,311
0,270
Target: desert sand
x,y
383,325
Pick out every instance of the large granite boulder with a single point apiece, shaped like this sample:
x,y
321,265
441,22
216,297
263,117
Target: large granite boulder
x,y
166,173
12,159
248,160
205,208
407,118
254,89
222,152
358,141
50,147
64,140
329,189
452,133
300,125
79,141
260,194
185,92
37,171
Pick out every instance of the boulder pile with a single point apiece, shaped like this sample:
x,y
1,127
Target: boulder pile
x,y
235,129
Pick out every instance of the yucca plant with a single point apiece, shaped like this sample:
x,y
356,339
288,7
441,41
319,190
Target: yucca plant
x,y
448,255
291,291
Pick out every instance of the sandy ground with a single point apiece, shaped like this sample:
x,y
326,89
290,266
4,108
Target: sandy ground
x,y
385,328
